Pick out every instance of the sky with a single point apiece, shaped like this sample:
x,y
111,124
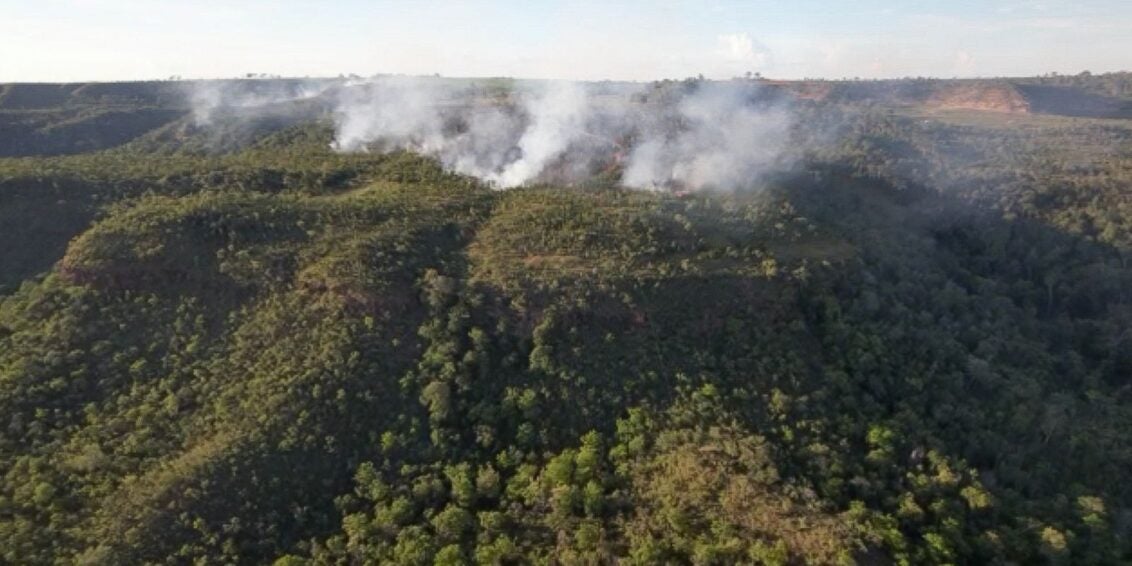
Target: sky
x,y
82,40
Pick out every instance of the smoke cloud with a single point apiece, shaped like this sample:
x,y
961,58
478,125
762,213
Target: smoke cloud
x,y
691,135
213,97
721,136
558,117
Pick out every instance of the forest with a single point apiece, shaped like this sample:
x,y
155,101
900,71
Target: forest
x,y
235,344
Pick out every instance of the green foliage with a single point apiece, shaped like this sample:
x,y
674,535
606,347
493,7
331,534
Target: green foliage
x,y
913,349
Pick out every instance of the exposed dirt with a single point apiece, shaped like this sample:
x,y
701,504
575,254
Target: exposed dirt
x,y
997,97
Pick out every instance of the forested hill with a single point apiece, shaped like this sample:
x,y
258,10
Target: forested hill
x,y
235,345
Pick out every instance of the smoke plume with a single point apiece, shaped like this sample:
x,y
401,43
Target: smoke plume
x,y
212,97
720,136
691,135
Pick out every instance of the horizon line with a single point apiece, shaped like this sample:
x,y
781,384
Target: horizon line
x,y
754,76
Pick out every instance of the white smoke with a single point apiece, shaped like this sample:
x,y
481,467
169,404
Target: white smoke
x,y
725,139
691,135
401,113
428,116
558,118
507,143
211,97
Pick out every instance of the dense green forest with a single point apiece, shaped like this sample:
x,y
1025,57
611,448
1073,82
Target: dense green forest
x,y
235,345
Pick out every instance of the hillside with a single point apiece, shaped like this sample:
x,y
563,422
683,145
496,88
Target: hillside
x,y
999,95
224,115
224,342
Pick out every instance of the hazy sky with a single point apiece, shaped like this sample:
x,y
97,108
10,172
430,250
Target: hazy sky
x,y
70,40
